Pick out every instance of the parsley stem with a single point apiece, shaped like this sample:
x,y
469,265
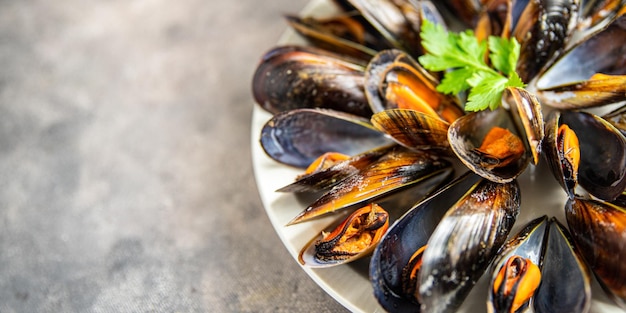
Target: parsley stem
x,y
478,65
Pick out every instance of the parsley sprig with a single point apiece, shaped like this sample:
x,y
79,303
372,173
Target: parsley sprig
x,y
462,56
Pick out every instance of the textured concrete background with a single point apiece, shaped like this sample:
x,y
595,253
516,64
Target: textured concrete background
x,y
126,178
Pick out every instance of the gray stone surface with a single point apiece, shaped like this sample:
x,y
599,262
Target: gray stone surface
x,y
126,176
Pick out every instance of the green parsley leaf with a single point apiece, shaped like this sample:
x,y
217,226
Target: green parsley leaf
x,y
436,39
487,93
478,77
463,58
515,81
475,50
438,63
504,54
487,90
456,81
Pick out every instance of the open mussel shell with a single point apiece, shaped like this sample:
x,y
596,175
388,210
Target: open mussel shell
x,y
494,20
395,171
545,244
355,237
489,143
453,247
601,168
543,28
395,80
598,90
591,73
343,33
464,244
599,232
527,116
398,22
467,11
561,266
298,137
562,151
413,129
292,77
335,174
527,244
406,236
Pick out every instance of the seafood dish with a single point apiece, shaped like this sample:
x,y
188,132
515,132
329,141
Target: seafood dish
x,y
453,155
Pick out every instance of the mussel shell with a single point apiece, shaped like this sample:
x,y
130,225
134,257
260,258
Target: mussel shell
x,y
543,30
413,129
561,266
407,235
298,137
521,11
599,232
528,117
560,167
547,243
598,90
602,169
395,80
494,20
467,11
467,133
527,243
308,254
335,174
398,22
292,77
464,244
397,170
342,34
604,52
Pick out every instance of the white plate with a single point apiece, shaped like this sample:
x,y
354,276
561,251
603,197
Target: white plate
x,y
349,284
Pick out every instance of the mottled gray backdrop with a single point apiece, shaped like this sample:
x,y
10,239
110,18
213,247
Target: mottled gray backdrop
x,y
125,169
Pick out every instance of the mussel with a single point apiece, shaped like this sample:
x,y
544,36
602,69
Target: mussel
x,y
413,129
494,19
343,33
533,269
293,77
590,73
353,238
398,22
599,232
465,10
319,179
298,137
543,29
582,147
499,144
397,132
490,144
396,170
434,254
395,80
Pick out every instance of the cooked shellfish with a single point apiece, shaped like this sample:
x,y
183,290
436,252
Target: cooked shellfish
x,y
459,245
355,237
572,59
